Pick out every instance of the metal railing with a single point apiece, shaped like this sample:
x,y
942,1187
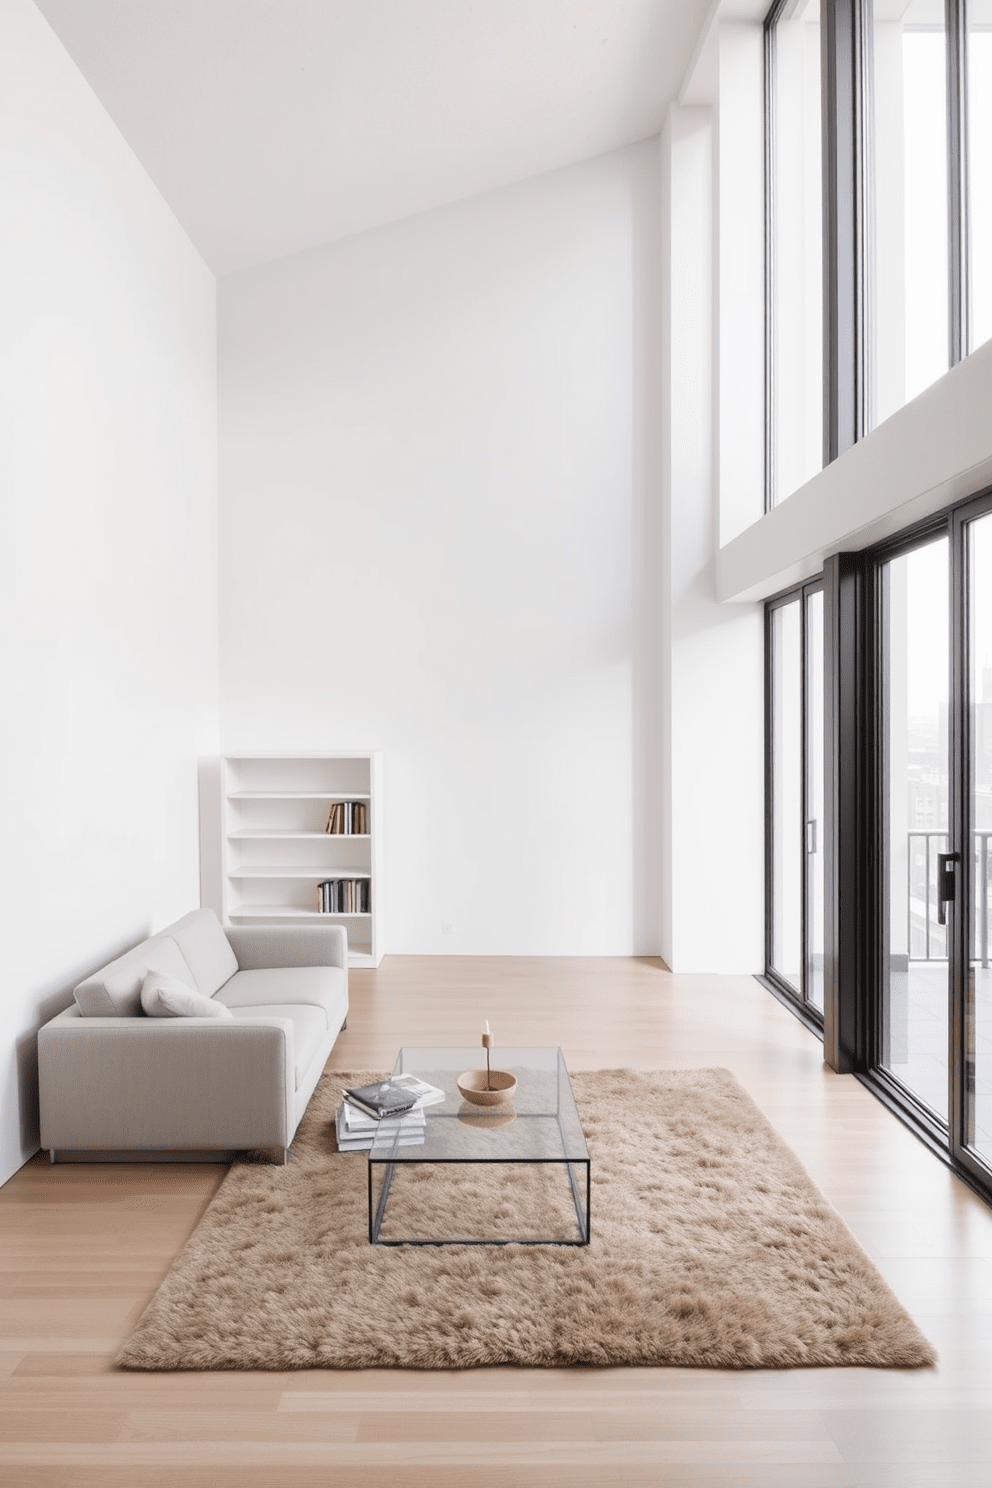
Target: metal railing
x,y
981,862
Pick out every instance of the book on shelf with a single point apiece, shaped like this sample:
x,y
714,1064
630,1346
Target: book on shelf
x,y
347,819
344,896
381,1098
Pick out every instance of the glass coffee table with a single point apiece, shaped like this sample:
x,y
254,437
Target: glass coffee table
x,y
540,1127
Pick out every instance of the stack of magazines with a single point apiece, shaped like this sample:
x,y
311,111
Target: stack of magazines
x,y
393,1107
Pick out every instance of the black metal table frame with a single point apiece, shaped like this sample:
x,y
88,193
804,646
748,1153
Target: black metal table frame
x,y
377,1211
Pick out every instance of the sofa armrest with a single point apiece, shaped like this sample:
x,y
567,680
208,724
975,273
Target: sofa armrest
x,y
261,947
184,1084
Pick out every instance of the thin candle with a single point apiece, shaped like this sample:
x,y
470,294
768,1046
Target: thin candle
x,y
487,1043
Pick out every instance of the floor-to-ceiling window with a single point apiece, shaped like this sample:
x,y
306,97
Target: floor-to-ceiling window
x,y
893,946
794,774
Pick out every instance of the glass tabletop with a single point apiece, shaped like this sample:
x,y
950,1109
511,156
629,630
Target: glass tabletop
x,y
541,1123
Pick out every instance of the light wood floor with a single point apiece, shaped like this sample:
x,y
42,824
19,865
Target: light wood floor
x,y
84,1247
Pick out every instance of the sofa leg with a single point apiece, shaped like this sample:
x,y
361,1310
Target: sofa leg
x,y
51,1156
344,1025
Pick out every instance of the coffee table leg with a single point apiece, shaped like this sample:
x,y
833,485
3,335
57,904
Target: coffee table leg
x,y
375,1224
581,1215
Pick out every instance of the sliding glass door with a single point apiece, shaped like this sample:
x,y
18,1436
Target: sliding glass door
x,y
915,592
794,772
978,1014
931,993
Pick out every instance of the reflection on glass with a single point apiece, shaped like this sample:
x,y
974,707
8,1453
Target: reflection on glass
x,y
979,15
915,986
814,800
910,134
787,794
980,707
798,253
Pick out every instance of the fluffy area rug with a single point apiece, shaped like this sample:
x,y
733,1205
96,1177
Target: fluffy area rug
x,y
711,1247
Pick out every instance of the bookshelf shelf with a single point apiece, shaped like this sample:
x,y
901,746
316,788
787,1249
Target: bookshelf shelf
x,y
276,836
342,870
277,851
298,796
280,912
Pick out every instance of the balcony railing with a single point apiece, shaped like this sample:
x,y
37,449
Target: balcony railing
x,y
926,940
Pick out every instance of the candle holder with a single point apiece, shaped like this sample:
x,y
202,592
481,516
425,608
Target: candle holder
x,y
485,1087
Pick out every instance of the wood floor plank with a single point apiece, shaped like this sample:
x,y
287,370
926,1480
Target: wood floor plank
x,y
468,1455
442,1475
557,1399
236,1427
743,1428
82,1248
88,1426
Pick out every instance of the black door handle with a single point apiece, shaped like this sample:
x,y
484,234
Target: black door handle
x,y
946,882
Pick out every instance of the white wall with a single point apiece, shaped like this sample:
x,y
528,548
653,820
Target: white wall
x,y
107,547
741,297
714,731
438,478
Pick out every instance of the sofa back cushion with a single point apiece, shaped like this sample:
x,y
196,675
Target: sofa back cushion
x,y
115,992
200,937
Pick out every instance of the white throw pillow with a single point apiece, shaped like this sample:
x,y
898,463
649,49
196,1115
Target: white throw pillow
x,y
167,997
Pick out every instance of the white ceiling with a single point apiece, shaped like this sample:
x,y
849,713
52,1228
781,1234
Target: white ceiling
x,y
272,125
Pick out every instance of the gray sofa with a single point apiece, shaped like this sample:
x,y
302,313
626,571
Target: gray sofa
x,y
115,1083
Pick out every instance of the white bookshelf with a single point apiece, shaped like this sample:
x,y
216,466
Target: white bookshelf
x,y
276,850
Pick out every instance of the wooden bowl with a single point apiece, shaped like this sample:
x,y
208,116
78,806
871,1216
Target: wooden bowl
x,y
472,1085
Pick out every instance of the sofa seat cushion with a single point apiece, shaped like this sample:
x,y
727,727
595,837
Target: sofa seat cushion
x,y
115,992
324,987
309,1028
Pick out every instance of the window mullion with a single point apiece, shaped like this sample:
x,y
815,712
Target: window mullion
x,y
958,327
769,163
846,49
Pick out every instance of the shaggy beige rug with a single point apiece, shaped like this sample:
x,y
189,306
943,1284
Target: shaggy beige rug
x,y
711,1246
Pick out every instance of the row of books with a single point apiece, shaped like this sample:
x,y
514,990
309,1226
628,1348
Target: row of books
x,y
347,819
344,896
393,1109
